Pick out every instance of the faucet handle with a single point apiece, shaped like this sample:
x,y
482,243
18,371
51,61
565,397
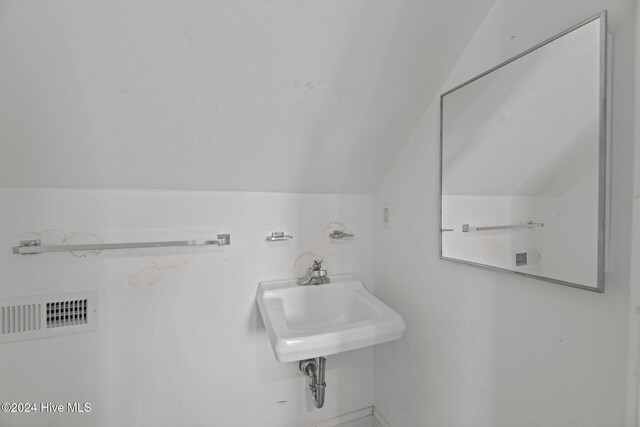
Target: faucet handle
x,y
317,264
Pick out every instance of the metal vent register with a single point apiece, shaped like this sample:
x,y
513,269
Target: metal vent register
x,y
66,313
39,316
521,259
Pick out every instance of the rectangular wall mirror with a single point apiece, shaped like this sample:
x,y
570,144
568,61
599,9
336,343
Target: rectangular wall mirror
x,y
523,149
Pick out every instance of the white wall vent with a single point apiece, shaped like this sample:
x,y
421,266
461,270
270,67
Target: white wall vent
x,y
20,318
66,313
39,316
521,259
527,259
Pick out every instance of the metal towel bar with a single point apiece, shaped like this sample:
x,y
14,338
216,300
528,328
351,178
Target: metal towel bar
x,y
31,247
466,227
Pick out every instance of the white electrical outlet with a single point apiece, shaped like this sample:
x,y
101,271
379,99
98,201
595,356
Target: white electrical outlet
x,y
386,215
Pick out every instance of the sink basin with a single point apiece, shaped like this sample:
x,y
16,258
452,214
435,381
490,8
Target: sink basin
x,y
304,322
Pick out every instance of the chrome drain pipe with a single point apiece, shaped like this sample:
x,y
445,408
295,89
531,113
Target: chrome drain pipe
x,y
314,369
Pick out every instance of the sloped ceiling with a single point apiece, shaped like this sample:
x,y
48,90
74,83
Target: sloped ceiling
x,y
284,95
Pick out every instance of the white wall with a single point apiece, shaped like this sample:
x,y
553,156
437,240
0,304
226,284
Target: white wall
x,y
633,394
483,348
181,341
282,95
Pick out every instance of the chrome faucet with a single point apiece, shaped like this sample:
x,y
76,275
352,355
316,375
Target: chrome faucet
x,y
315,275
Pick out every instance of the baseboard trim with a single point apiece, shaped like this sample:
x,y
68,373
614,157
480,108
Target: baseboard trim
x,y
360,413
379,418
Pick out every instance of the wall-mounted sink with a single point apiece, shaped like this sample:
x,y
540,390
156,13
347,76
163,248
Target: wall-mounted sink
x,y
305,322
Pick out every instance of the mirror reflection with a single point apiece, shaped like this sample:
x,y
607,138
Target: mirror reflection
x,y
522,152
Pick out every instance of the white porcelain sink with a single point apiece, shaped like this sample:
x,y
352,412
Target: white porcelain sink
x,y
303,322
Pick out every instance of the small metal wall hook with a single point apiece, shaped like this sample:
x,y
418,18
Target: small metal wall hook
x,y
339,234
277,236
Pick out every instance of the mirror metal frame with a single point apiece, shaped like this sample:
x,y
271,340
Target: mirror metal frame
x,y
602,134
